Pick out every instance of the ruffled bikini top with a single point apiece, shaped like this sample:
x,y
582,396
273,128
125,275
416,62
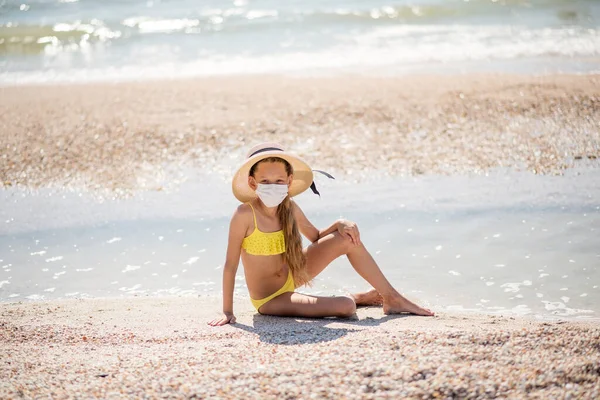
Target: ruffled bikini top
x,y
260,243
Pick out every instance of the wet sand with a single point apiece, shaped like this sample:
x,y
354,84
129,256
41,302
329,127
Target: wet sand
x,y
110,135
163,348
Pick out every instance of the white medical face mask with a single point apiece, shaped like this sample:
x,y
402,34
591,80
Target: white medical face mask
x,y
272,194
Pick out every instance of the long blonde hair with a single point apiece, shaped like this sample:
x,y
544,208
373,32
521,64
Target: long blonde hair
x,y
293,256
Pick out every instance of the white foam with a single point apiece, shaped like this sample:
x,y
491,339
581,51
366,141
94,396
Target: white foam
x,y
515,287
203,283
191,260
149,25
131,268
562,309
57,274
521,309
255,14
134,287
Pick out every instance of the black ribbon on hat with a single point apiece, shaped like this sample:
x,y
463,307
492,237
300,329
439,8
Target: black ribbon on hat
x,y
313,186
265,149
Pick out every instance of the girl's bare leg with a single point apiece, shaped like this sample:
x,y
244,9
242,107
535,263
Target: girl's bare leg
x,y
328,248
292,304
370,298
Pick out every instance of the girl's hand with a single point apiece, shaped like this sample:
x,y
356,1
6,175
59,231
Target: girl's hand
x,y
349,230
227,318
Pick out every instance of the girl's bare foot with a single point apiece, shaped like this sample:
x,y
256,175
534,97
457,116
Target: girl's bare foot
x,y
396,304
370,298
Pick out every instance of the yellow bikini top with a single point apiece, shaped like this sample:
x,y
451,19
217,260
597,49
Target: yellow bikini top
x,y
260,243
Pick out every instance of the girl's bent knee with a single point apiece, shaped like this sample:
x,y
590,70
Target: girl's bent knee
x,y
344,243
347,307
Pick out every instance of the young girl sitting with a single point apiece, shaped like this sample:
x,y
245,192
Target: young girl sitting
x,y
265,230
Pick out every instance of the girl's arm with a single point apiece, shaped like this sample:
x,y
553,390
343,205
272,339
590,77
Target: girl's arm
x,y
346,228
237,230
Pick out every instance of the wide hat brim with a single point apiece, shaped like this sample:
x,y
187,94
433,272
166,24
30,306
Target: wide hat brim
x,y
302,179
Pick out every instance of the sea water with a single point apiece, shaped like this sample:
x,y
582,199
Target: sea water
x,y
505,242
91,40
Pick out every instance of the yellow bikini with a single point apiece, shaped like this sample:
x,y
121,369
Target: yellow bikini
x,y
260,243
288,286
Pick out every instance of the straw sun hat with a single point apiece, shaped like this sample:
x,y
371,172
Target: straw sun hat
x,y
303,175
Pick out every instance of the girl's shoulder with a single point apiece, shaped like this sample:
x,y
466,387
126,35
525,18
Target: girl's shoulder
x,y
242,218
243,212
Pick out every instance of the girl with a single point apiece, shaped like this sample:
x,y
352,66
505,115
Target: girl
x,y
265,230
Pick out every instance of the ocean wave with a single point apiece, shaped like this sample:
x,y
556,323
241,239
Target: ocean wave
x,y
149,25
16,38
417,43
398,47
27,39
21,36
420,12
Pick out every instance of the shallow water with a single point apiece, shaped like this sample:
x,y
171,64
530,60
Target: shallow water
x,y
509,242
90,40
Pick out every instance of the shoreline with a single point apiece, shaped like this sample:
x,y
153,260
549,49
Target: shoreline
x,y
242,303
118,136
100,348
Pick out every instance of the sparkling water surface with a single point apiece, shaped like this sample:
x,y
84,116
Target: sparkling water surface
x,y
96,40
511,243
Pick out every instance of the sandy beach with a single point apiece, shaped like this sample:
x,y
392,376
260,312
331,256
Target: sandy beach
x,y
162,348
109,135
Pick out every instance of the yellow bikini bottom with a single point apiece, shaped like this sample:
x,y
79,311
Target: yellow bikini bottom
x,y
288,286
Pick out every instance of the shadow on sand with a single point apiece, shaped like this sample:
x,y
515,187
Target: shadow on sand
x,y
297,330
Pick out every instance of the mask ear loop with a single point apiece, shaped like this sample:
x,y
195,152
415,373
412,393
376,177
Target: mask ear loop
x,y
313,186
